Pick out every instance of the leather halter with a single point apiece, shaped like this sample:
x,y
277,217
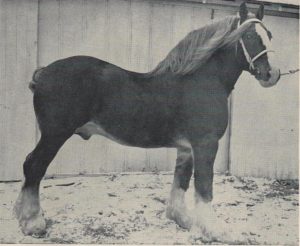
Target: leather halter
x,y
248,57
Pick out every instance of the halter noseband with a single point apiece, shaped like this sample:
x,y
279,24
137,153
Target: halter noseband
x,y
248,57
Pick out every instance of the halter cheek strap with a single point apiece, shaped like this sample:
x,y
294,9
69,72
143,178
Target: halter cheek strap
x,y
246,53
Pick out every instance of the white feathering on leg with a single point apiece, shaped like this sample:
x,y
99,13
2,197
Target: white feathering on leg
x,y
205,219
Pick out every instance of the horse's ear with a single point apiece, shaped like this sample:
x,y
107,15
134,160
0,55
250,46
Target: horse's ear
x,y
260,12
243,12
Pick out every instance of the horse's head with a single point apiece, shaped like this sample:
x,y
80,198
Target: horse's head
x,y
254,47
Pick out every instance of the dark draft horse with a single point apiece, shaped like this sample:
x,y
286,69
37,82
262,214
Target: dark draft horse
x,y
182,104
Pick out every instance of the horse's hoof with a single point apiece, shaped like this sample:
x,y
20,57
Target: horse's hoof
x,y
209,237
208,225
34,226
217,231
180,216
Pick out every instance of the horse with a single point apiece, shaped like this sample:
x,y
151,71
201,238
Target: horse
x,y
181,103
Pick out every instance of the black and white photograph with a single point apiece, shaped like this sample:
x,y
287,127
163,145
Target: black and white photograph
x,y
154,122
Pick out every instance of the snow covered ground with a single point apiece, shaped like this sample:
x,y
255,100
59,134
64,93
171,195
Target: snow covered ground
x,y
130,209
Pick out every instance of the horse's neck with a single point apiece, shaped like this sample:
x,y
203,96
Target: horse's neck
x,y
225,66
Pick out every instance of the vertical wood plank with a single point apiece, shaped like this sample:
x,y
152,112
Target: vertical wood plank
x,y
201,16
49,39
140,36
119,32
3,106
96,42
161,36
18,61
182,22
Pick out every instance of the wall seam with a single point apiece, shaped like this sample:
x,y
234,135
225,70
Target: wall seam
x,y
37,44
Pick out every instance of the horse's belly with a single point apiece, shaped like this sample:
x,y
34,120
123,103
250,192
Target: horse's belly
x,y
91,128
137,139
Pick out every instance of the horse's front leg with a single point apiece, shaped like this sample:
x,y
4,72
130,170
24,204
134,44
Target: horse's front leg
x,y
204,216
176,209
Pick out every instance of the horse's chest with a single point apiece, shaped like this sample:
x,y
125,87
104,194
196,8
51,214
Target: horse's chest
x,y
206,110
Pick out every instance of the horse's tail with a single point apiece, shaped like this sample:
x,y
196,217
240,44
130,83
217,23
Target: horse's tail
x,y
35,77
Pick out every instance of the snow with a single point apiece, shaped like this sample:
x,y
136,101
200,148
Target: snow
x,y
130,209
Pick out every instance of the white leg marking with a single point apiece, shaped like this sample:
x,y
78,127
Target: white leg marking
x,y
29,214
176,209
177,197
205,219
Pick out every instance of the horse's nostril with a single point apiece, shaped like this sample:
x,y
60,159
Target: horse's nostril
x,y
268,75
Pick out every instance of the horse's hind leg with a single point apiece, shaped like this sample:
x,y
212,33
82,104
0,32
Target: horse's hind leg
x,y
176,209
27,207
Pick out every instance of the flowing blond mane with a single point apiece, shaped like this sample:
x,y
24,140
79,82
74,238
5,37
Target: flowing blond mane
x,y
199,45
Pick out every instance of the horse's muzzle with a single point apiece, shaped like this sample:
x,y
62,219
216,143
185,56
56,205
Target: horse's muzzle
x,y
273,79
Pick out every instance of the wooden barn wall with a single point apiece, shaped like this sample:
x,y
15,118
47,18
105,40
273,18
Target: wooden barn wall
x,y
136,35
18,58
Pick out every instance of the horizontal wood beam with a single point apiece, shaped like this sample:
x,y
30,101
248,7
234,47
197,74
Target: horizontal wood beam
x,y
272,9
